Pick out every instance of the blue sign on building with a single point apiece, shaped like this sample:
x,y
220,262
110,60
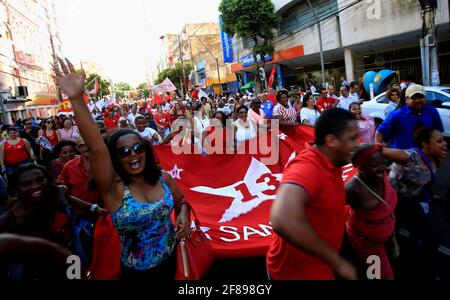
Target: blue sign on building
x,y
249,60
227,44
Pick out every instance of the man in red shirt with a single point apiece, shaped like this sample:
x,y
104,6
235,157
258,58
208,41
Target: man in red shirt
x,y
308,216
111,121
324,102
77,176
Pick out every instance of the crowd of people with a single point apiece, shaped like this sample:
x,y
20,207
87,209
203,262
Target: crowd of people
x,y
100,164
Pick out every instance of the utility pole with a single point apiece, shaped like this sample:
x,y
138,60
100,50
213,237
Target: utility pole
x,y
428,43
322,64
215,58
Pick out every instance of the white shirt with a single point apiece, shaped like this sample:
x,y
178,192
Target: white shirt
x,y
244,133
200,126
355,97
225,110
131,118
313,89
344,103
310,115
332,96
148,133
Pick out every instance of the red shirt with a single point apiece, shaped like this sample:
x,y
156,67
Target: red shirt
x,y
72,175
111,123
162,119
324,210
15,154
325,103
53,139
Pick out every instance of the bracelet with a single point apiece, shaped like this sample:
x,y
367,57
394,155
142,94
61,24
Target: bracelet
x,y
183,202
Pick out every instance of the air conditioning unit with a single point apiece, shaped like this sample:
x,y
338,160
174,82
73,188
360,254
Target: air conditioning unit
x,y
22,91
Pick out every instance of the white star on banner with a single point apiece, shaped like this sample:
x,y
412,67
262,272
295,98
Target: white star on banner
x,y
175,173
282,136
259,185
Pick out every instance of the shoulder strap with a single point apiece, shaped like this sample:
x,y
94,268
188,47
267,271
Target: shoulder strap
x,y
375,195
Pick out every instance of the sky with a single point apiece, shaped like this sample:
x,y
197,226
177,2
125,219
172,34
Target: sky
x,y
122,36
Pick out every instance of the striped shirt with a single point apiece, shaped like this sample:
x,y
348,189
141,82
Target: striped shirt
x,y
287,114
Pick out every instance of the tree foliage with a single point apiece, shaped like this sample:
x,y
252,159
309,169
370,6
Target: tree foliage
x,y
143,89
175,74
105,84
251,19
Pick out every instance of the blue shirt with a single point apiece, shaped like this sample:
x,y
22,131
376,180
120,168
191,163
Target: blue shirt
x,y
400,124
267,108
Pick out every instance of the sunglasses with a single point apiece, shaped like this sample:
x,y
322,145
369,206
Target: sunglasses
x,y
126,151
27,123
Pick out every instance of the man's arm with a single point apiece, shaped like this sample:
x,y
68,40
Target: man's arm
x,y
290,222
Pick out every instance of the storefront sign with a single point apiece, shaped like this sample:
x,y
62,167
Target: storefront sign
x,y
249,60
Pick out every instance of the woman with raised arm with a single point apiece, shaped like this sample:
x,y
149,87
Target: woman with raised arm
x,y
138,195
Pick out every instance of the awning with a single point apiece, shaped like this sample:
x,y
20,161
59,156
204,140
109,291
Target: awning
x,y
249,85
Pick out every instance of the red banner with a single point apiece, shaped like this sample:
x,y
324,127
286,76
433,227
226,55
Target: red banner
x,y
232,194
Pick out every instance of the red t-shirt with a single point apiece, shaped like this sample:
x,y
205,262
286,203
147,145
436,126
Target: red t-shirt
x,y
72,176
15,154
111,123
325,103
162,119
324,210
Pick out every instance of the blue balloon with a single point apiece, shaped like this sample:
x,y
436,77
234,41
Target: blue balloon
x,y
368,79
381,80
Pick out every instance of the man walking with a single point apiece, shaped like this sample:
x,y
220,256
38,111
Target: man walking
x,y
308,216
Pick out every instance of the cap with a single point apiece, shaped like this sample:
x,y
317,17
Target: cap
x,y
415,89
121,119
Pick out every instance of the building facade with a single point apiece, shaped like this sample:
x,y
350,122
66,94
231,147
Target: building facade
x,y
357,36
28,40
199,44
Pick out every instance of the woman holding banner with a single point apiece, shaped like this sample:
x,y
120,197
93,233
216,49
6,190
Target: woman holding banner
x,y
134,190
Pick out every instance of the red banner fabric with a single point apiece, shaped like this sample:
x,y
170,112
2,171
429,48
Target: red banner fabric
x,y
232,193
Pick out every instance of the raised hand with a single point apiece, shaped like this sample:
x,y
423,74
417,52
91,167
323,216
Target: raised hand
x,y
69,80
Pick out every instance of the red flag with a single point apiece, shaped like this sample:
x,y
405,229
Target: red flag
x,y
158,99
272,76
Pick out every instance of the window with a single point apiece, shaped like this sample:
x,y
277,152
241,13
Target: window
x,y
383,99
301,16
436,99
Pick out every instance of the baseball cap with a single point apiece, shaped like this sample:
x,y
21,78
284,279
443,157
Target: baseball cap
x,y
121,119
415,89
